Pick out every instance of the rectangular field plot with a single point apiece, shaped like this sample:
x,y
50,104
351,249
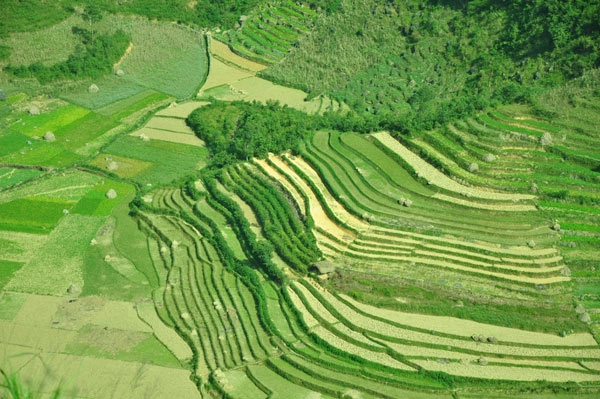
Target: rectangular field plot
x,y
95,202
42,153
20,247
83,130
38,125
11,142
127,106
122,166
279,386
170,124
169,160
91,377
164,135
57,264
112,89
32,215
240,386
10,176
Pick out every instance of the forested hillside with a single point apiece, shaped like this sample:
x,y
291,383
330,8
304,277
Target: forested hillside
x,y
422,63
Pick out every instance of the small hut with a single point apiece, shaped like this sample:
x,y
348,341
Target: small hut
x,y
324,267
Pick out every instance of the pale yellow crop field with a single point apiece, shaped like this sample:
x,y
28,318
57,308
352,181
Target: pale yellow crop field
x,y
220,74
83,376
170,124
181,138
437,178
221,50
466,328
181,110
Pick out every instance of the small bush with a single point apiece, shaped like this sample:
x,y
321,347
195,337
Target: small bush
x,y
489,157
546,139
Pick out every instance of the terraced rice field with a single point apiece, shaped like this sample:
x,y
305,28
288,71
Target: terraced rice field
x,y
269,33
232,77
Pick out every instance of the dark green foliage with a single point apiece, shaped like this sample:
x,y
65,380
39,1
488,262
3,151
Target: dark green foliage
x,y
240,131
30,15
409,65
4,52
91,59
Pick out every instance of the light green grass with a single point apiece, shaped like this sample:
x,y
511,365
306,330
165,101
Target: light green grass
x,y
10,304
11,142
9,176
38,125
57,264
95,201
33,214
123,108
169,161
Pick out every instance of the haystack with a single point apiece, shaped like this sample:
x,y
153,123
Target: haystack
x,y
405,202
33,110
489,158
120,72
93,89
111,194
49,136
473,167
531,244
74,289
112,166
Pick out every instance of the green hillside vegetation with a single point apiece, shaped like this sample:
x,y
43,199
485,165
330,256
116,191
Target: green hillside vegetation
x,y
413,65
